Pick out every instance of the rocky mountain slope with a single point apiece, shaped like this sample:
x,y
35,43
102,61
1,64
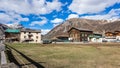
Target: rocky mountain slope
x,y
3,28
98,26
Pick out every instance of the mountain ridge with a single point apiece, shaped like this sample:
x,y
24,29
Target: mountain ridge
x,y
98,26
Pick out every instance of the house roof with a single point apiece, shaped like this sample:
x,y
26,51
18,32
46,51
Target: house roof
x,y
96,36
12,30
62,36
81,29
30,30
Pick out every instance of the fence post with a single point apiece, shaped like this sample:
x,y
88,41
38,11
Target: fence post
x,y
3,58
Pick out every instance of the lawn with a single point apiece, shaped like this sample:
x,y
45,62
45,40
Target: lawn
x,y
69,55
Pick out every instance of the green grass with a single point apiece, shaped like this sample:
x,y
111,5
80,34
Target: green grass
x,y
72,56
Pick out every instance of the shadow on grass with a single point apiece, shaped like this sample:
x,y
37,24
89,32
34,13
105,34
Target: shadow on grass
x,y
12,58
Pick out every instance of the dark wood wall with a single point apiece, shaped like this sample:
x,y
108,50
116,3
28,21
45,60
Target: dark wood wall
x,y
78,35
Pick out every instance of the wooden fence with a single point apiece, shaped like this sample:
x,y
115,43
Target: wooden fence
x,y
3,58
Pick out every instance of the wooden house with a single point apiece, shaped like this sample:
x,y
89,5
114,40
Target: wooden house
x,y
12,35
112,36
117,33
79,34
109,34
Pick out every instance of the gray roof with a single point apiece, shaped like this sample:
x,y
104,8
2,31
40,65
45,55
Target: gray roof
x,y
30,30
81,29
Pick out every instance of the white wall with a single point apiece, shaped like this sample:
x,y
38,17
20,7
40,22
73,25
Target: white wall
x,y
118,37
96,40
36,40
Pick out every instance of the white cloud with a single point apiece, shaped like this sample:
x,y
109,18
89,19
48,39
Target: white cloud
x,y
113,14
91,6
73,16
13,9
57,21
42,22
30,7
11,17
4,18
44,31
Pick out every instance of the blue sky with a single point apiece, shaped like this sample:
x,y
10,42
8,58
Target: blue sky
x,y
46,14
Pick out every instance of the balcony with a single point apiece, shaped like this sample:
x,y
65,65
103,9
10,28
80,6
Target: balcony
x,y
30,34
110,37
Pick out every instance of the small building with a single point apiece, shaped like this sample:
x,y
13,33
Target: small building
x,y
95,37
31,36
117,33
63,38
111,36
12,35
79,34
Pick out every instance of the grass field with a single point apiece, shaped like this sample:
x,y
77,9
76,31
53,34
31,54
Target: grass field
x,y
68,55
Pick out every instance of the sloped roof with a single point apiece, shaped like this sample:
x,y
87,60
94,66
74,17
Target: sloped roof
x,y
81,29
12,30
96,36
30,30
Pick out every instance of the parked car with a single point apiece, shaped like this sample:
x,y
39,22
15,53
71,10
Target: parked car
x,y
47,41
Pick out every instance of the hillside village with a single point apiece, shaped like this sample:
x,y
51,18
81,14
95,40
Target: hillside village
x,y
19,35
75,30
59,33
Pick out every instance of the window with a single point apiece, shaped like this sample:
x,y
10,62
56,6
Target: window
x,y
36,33
24,36
76,36
82,39
85,35
37,37
82,34
36,40
24,32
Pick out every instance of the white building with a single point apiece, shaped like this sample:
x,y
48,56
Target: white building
x,y
112,36
118,37
31,36
95,37
96,40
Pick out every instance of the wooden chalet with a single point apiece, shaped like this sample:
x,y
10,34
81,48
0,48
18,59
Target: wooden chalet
x,y
117,33
12,35
112,34
109,34
79,34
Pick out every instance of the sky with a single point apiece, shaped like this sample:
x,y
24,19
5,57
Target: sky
x,y
44,15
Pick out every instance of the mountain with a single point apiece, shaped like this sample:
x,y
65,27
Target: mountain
x,y
111,27
15,26
3,28
98,26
